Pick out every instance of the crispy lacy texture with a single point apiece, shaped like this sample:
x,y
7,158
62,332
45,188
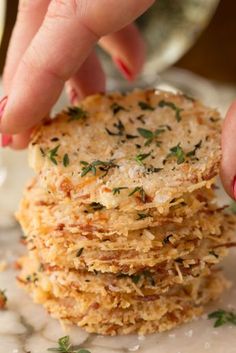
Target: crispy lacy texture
x,y
118,313
200,238
134,151
72,216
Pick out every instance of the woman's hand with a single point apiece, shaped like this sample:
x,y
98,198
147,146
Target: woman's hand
x,y
228,164
53,44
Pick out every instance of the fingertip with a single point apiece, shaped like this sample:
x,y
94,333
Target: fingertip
x,y
228,142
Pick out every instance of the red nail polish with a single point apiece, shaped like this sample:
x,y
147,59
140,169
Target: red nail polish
x,y
3,103
6,140
124,69
234,187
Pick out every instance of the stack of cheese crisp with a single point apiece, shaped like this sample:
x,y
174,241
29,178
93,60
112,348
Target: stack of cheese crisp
x,y
121,224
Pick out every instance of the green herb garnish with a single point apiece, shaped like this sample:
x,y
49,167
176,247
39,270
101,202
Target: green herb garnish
x,y
79,252
116,108
76,113
145,106
135,278
223,317
52,154
64,346
142,216
66,160
141,192
171,105
140,157
131,137
149,135
117,191
232,207
196,147
92,167
177,152
120,129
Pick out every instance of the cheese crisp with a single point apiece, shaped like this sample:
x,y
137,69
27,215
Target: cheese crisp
x,y
138,150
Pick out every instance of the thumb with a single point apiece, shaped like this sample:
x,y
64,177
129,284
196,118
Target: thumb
x,y
228,163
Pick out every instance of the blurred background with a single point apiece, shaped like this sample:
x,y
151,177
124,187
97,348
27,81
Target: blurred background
x,y
213,55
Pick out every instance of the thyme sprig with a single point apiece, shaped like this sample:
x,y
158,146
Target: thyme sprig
x,y
149,135
141,156
140,190
171,105
92,167
64,346
52,154
116,191
223,317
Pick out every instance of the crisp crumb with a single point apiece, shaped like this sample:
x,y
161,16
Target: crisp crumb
x,y
3,300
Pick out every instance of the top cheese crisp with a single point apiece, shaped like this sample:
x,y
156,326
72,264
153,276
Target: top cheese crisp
x,y
128,151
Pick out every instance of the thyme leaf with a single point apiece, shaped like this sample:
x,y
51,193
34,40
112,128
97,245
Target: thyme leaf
x,y
66,160
64,346
145,106
223,317
92,167
135,278
120,129
150,135
142,216
76,113
140,157
177,152
193,152
52,154
117,190
140,190
116,108
171,105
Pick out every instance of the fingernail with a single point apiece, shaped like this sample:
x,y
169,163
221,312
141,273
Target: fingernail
x,y
3,103
125,70
73,95
234,187
6,140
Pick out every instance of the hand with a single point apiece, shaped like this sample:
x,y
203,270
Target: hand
x,y
228,163
52,44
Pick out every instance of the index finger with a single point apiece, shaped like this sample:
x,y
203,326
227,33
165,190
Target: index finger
x,y
53,57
